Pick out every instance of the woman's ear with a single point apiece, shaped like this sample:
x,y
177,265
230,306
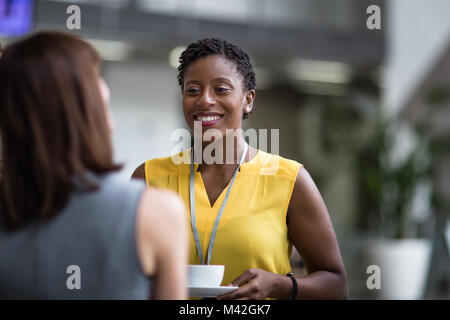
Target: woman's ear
x,y
106,94
249,99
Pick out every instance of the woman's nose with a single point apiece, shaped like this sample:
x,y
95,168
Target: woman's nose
x,y
206,98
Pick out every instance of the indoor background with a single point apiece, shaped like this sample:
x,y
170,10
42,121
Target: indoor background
x,y
367,111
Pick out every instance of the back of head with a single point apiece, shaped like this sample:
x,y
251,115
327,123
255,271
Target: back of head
x,y
53,125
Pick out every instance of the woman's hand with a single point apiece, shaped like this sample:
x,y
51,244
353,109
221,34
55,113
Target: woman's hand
x,y
255,284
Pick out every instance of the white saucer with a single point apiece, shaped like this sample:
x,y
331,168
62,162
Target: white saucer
x,y
209,292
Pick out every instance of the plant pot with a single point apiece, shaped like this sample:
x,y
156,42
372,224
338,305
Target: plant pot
x,y
404,267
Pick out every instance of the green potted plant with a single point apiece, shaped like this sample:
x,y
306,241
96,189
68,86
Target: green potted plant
x,y
401,181
404,201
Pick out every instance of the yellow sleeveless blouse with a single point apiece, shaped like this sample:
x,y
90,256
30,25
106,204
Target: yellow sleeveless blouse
x,y
252,232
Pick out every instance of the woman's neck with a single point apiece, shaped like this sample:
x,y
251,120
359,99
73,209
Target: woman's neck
x,y
222,154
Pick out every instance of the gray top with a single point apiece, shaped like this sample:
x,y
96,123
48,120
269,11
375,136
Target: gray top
x,y
88,251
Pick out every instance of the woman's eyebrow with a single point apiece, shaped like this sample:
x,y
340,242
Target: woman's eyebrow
x,y
192,82
215,80
223,79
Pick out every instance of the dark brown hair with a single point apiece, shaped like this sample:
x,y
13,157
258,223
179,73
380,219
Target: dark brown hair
x,y
53,125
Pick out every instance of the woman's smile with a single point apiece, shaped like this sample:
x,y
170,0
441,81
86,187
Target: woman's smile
x,y
208,119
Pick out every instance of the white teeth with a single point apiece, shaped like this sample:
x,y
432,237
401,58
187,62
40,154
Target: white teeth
x,y
208,118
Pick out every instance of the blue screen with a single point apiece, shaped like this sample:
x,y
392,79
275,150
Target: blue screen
x,y
16,17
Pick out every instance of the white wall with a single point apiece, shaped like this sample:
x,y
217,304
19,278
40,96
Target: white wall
x,y
417,33
146,108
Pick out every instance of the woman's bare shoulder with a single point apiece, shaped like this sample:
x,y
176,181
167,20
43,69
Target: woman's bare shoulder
x,y
139,173
161,225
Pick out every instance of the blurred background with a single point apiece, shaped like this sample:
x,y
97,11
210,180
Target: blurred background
x,y
367,111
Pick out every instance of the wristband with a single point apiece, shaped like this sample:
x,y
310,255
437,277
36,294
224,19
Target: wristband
x,y
295,284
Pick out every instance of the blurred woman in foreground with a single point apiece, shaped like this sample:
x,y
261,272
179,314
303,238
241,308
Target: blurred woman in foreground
x,y
70,226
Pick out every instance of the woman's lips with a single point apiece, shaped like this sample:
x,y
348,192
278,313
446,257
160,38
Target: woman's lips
x,y
208,119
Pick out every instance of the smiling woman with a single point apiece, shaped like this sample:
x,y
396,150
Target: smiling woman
x,y
240,216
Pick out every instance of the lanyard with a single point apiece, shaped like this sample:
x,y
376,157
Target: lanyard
x,y
222,207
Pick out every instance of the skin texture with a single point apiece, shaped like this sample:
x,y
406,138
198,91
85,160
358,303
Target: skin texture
x,y
106,95
311,232
162,246
212,84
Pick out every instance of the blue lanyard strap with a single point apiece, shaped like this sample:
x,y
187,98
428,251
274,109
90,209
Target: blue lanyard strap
x,y
219,214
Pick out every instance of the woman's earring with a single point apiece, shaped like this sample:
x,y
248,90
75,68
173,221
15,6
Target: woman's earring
x,y
248,109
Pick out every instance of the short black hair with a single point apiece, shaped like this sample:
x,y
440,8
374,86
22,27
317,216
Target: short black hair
x,y
211,46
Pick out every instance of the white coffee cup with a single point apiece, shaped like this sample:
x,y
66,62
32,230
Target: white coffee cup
x,y
205,275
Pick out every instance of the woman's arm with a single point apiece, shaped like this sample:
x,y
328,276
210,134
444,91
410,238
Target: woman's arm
x,y
311,232
162,242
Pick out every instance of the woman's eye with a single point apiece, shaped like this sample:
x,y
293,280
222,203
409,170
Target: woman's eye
x,y
222,89
192,90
